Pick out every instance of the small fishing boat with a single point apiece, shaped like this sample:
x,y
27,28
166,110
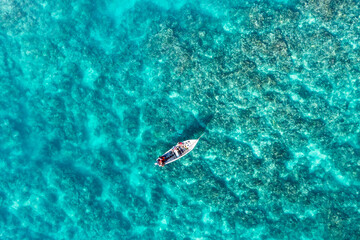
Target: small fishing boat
x,y
178,151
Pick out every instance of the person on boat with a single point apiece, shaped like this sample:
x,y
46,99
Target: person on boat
x,y
162,161
179,147
176,151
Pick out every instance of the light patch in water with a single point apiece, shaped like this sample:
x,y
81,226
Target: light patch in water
x,y
290,164
190,181
173,95
341,178
228,27
311,19
315,156
15,205
256,150
206,218
295,97
294,76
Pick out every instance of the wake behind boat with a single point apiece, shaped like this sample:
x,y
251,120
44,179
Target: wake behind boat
x,y
177,152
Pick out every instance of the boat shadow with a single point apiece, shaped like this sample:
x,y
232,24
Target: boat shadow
x,y
196,127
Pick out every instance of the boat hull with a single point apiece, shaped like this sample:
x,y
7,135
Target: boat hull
x,y
171,155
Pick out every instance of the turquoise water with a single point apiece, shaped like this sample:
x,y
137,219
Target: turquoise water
x,y
92,92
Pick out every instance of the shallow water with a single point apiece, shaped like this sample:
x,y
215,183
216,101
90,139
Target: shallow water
x,y
92,92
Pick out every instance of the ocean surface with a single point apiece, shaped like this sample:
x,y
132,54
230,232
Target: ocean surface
x,y
92,92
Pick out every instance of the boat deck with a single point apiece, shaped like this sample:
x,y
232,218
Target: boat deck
x,y
183,148
170,155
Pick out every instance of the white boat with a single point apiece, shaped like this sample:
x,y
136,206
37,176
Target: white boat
x,y
178,151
